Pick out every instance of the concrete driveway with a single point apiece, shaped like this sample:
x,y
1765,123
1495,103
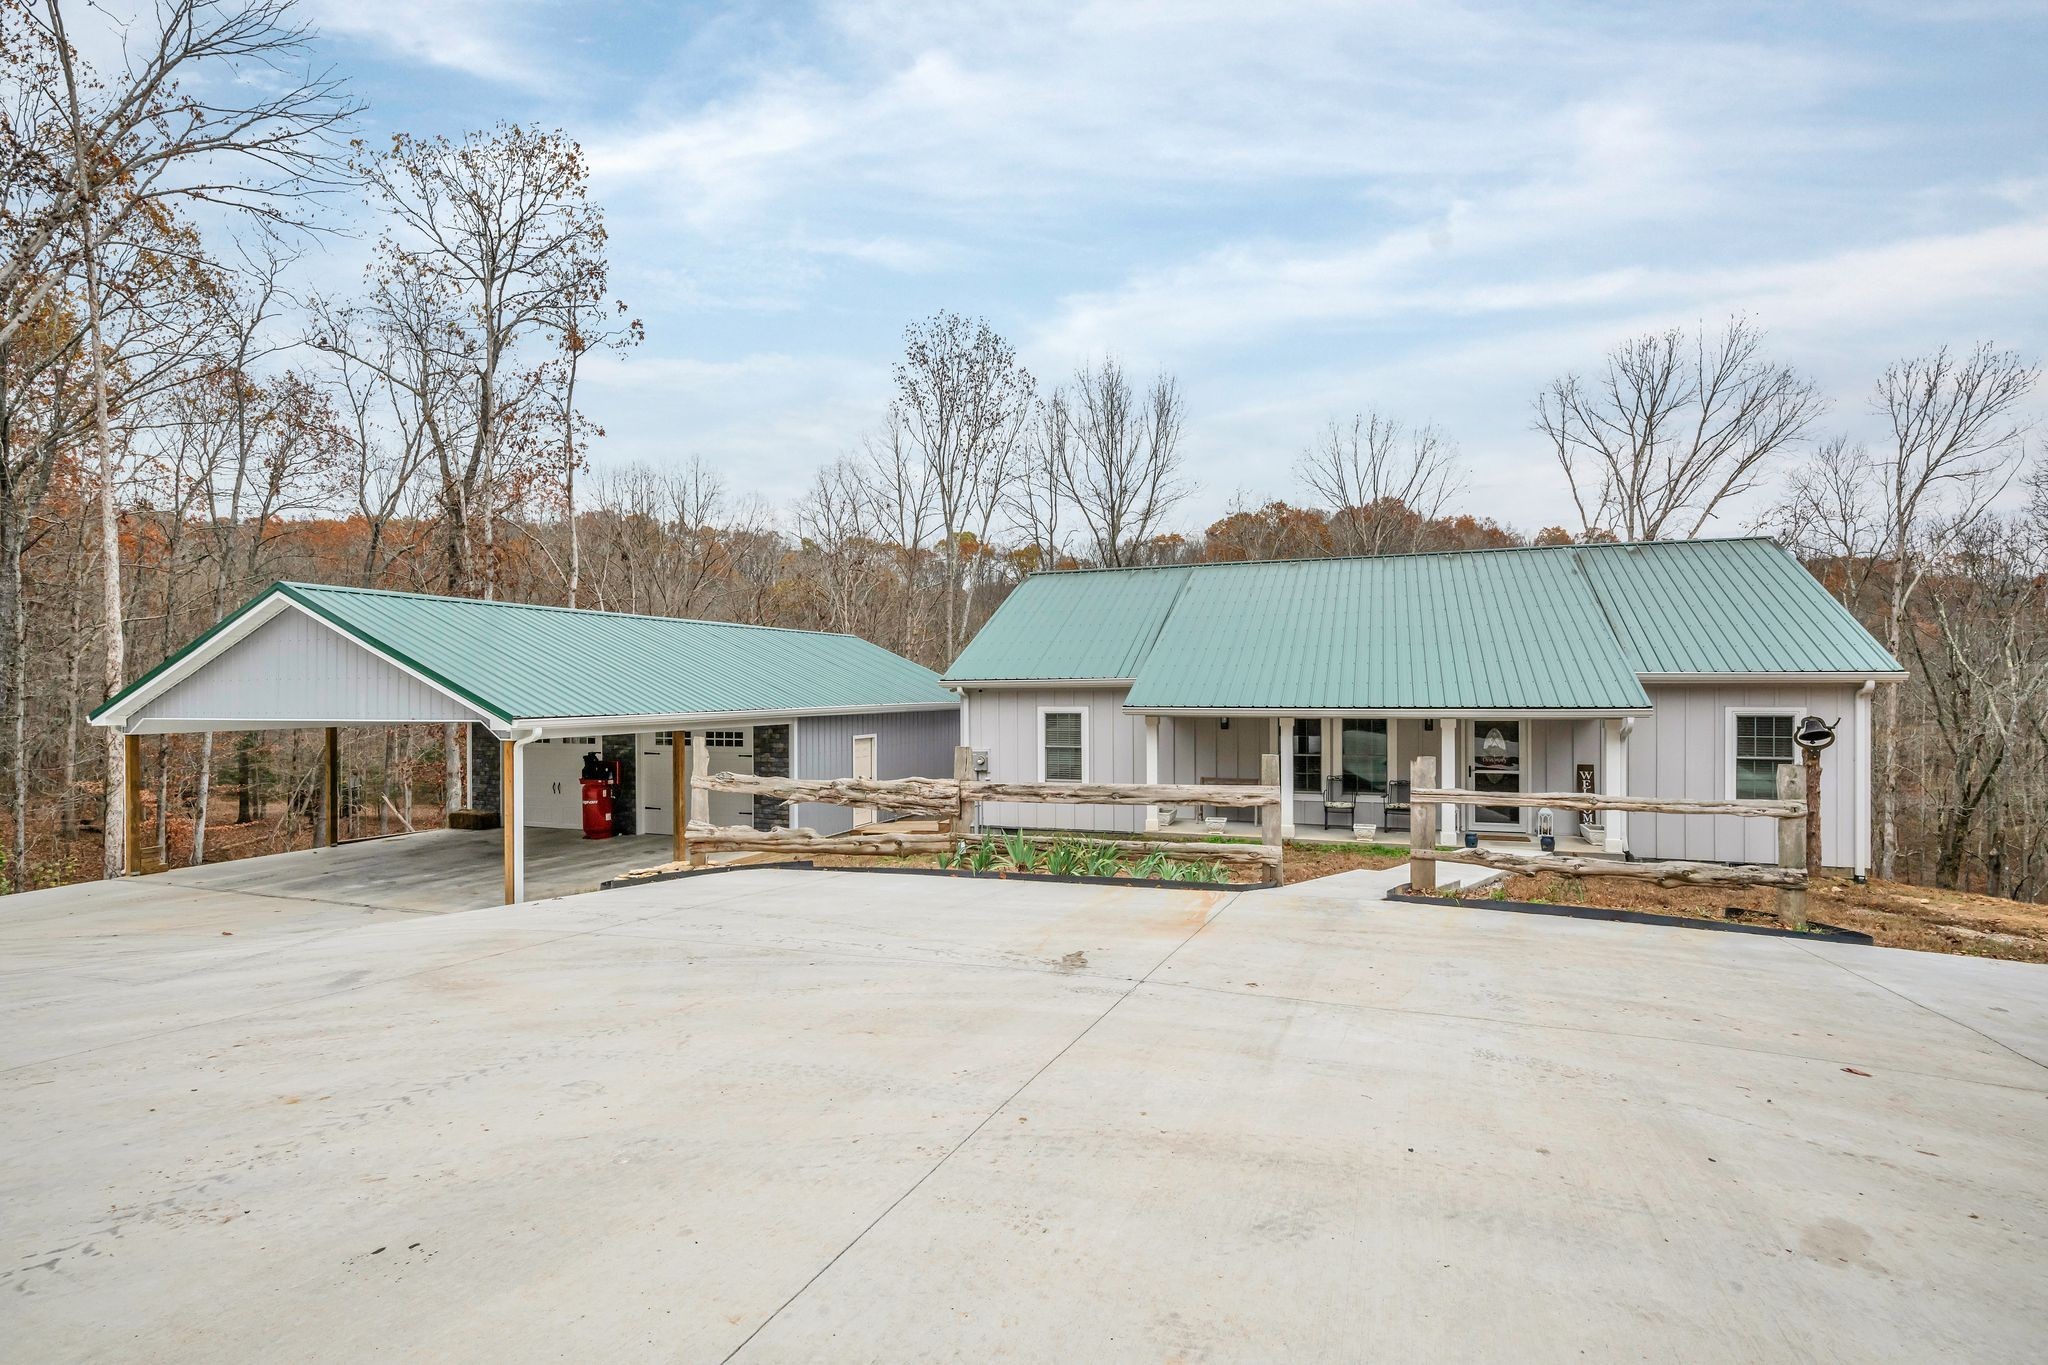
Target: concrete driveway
x,y
796,1116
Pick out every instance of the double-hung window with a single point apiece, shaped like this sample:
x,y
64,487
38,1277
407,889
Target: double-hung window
x,y
1763,744
1063,745
1308,757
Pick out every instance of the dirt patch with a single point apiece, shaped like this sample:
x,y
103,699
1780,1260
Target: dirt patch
x,y
1306,862
1894,914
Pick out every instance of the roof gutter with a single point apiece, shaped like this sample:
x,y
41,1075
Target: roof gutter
x,y
1398,712
549,726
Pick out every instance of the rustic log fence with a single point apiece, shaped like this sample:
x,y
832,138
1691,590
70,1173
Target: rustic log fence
x,y
949,801
1787,879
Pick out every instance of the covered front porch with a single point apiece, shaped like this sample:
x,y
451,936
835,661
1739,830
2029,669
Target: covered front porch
x,y
1347,776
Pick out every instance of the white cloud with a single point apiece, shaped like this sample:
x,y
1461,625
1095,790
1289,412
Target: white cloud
x,y
491,39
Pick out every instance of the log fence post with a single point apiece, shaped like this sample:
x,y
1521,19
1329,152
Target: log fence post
x,y
1791,848
678,795
692,757
1422,827
1271,821
963,773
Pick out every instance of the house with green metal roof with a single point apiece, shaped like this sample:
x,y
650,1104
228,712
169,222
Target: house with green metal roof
x,y
1667,668
538,689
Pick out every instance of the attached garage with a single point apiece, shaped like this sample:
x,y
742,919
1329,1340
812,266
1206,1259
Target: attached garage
x,y
541,688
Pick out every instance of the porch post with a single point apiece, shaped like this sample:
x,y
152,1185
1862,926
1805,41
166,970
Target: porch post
x,y
1447,776
1151,768
1614,782
1283,745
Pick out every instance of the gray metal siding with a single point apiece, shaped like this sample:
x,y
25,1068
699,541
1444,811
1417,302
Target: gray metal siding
x,y
292,670
907,744
1682,749
1004,721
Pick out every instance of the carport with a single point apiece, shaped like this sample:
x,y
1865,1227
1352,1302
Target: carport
x,y
537,688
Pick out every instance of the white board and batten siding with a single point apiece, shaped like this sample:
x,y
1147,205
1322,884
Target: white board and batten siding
x,y
1684,748
296,671
907,744
1004,721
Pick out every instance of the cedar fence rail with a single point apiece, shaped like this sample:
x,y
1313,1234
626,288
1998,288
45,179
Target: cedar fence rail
x,y
948,801
1787,879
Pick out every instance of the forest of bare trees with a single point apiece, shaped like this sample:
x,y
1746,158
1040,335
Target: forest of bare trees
x,y
183,424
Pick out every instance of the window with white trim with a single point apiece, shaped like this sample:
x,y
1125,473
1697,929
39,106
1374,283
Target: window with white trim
x,y
725,739
1063,745
1763,744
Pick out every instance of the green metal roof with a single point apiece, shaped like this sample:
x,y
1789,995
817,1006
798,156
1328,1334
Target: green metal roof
x,y
1542,628
1726,606
1095,624
519,662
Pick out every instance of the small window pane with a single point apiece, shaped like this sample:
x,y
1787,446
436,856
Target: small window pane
x,y
1062,746
1763,744
1365,756
1308,757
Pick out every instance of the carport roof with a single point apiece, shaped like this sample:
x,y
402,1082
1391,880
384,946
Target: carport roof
x,y
519,663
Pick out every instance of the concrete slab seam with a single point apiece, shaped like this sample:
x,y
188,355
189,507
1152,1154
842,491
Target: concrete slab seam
x,y
986,1120
1921,1004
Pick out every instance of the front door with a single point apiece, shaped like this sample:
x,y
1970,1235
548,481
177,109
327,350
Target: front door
x,y
864,771
1495,765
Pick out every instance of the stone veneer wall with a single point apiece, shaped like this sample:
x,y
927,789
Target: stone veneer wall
x,y
483,769
771,759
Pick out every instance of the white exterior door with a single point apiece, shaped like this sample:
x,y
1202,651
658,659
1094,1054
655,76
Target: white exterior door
x,y
656,782
553,771
730,751
864,768
1494,759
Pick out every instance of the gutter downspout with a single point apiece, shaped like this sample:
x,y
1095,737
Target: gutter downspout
x,y
516,835
1864,795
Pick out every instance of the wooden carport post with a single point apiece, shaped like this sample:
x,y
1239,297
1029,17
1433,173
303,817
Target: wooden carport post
x,y
131,813
330,788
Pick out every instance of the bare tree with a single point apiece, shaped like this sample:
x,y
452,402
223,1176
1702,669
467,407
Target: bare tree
x,y
185,120
1382,482
1037,498
836,518
492,234
1673,428
964,401
1121,471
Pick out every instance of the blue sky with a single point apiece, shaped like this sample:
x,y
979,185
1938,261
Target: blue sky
x,y
1300,210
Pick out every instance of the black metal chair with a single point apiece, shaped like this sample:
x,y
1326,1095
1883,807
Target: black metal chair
x,y
1337,801
1399,808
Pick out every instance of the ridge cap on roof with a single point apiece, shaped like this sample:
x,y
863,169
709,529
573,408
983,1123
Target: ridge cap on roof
x,y
1408,554
303,586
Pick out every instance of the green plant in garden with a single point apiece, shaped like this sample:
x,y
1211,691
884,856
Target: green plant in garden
x,y
1063,859
1209,872
949,858
1022,853
1098,861
986,856
1156,865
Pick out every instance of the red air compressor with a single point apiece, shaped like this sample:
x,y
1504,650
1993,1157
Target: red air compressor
x,y
600,796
